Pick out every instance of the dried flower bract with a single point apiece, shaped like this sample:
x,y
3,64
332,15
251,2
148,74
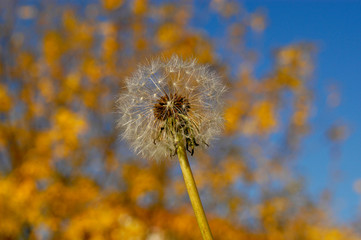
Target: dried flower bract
x,y
169,101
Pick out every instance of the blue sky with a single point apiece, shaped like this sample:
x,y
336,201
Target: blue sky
x,y
335,28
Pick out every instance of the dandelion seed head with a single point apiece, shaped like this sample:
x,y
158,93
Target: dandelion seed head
x,y
165,101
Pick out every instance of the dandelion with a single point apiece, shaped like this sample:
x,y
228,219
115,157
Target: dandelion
x,y
169,107
167,101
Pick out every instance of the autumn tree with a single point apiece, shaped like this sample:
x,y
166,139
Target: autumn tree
x,y
64,172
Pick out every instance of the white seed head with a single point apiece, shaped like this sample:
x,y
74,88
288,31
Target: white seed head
x,y
165,101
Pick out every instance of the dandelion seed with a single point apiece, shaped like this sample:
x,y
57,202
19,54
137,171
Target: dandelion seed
x,y
167,101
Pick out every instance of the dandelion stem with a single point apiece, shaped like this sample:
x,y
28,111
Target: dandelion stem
x,y
193,192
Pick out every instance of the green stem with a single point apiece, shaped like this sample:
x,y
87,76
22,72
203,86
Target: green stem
x,y
193,192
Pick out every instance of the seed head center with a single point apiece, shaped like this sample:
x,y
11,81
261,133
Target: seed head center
x,y
171,105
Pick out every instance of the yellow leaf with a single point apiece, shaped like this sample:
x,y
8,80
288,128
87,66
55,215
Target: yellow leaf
x,y
5,100
264,114
112,4
52,46
167,34
69,20
140,6
232,116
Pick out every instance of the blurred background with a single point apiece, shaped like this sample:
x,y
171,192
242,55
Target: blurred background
x,y
287,166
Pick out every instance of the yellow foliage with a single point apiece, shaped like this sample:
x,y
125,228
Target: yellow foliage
x,y
92,70
53,46
264,111
140,181
189,46
69,123
285,78
72,82
263,119
112,4
68,127
37,167
233,169
115,221
141,44
89,99
26,62
110,46
140,6
65,199
168,34
186,226
232,115
46,88
297,58
64,173
18,203
69,20
81,37
5,99
314,233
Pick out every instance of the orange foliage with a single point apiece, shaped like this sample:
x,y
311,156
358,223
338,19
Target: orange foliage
x,y
64,174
